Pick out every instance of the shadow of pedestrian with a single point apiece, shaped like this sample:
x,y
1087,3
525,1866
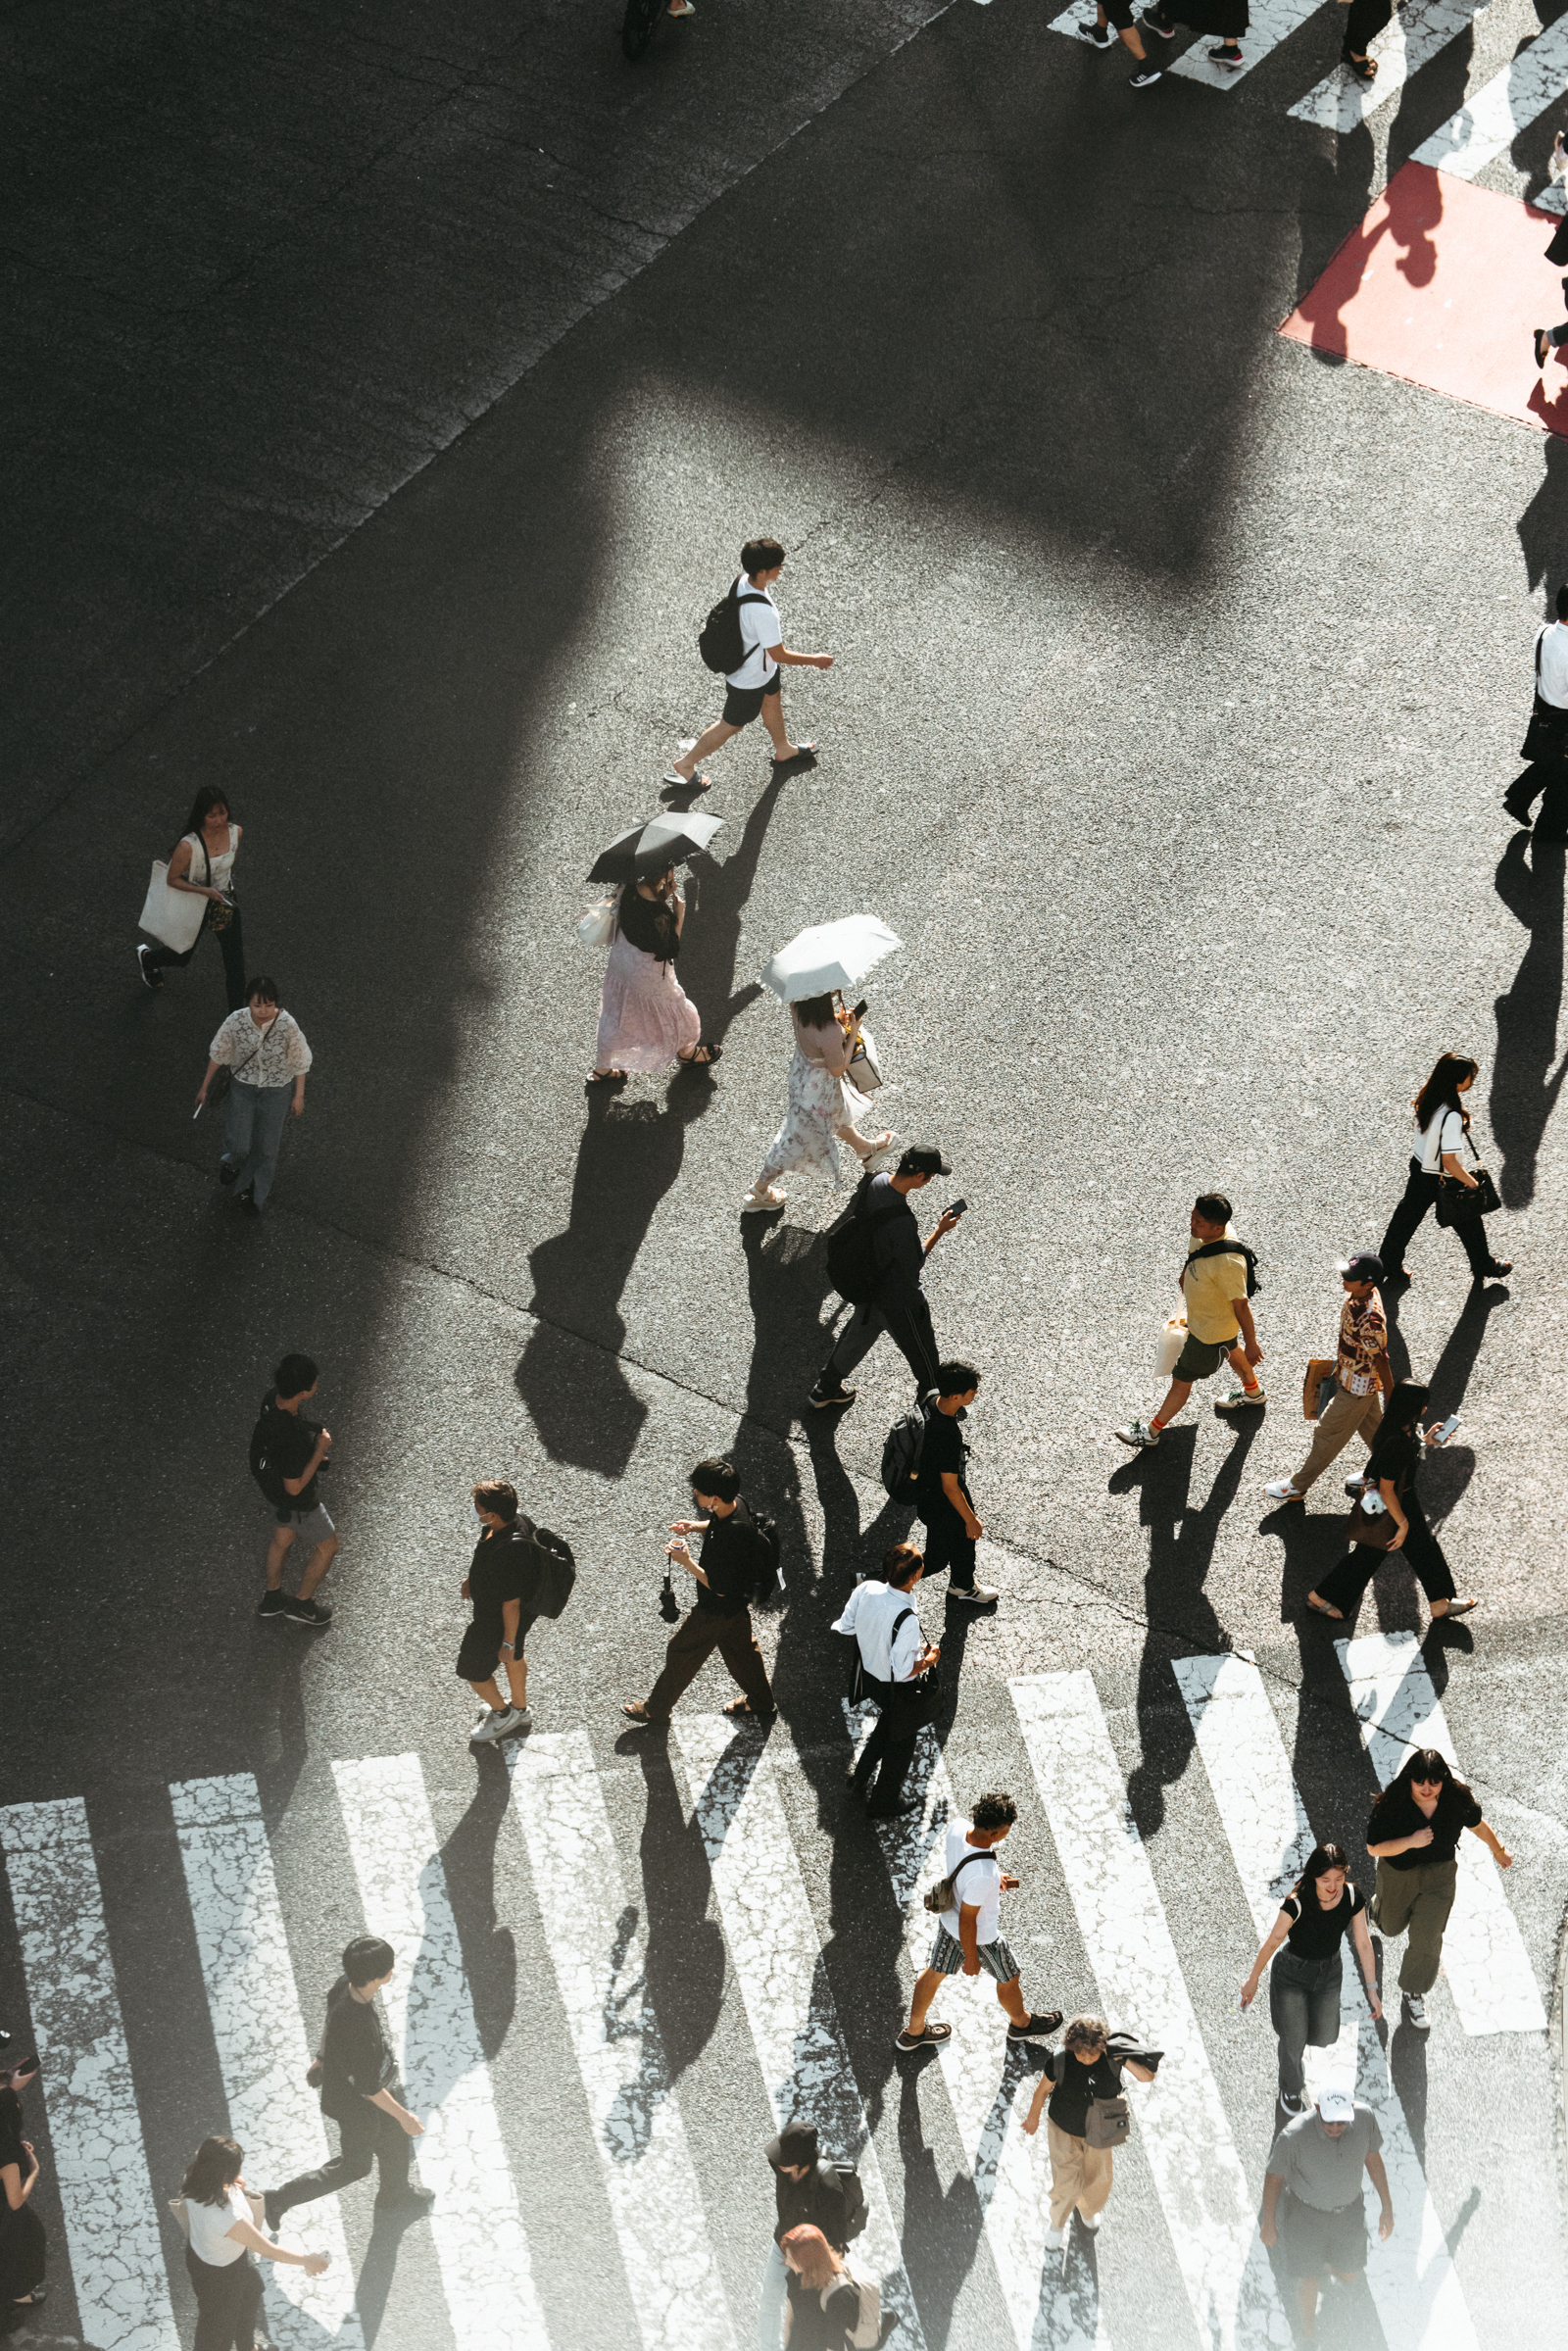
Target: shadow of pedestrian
x,y
942,2227
683,1947
489,1954
1524,1085
710,946
1543,527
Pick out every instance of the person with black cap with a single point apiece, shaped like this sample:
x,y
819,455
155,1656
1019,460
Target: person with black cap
x,y
1361,1373
810,2193
898,1304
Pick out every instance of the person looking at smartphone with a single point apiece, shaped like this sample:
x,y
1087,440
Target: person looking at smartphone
x,y
898,1306
946,1503
202,864
822,1102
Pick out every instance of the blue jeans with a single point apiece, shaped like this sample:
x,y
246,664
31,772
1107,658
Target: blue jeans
x,y
1303,1998
255,1129
770,2310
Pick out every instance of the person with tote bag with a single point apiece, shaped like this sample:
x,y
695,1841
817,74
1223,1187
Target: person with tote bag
x,y
1087,2117
195,893
1438,1178
217,2214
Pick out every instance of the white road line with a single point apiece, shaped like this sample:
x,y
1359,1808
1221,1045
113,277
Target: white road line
x,y
1272,21
116,2261
783,1981
474,2222
1492,118
596,1949
984,2079
1209,2208
1484,1956
1410,40
261,2046
1419,2299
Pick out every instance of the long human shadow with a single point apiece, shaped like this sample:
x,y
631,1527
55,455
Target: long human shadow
x,y
716,898
581,1399
1524,1084
489,1951
683,1947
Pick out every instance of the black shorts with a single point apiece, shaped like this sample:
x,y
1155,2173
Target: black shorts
x,y
1314,2241
480,1654
1121,13
743,703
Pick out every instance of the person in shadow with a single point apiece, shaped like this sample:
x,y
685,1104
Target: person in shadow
x,y
1525,1086
1546,744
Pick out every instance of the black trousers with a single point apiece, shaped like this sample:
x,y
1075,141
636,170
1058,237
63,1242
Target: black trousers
x,y
693,1642
909,1327
890,1749
1420,1195
368,2136
946,1545
1345,1586
228,2302
231,942
1364,22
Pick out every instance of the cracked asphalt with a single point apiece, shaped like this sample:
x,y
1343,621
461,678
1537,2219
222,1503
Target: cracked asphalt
x,y
395,393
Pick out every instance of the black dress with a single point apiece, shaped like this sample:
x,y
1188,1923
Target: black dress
x,y
1395,1458
21,2237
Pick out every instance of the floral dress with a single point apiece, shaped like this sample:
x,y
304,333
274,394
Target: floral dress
x,y
821,1104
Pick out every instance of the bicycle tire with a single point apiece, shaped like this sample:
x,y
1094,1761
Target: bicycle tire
x,y
638,26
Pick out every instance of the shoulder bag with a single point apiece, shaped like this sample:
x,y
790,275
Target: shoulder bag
x,y
1456,1203
596,927
1370,1530
863,1072
943,1894
220,914
1109,2120
1547,737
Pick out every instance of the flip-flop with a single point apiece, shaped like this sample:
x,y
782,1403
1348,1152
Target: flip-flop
x,y
687,783
803,756
1322,1608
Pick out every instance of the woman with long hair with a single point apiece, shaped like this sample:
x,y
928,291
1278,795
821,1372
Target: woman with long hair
x,y
822,1104
646,1018
202,864
1413,1837
1445,1124
824,2302
22,2236
1303,1980
1390,1473
222,2238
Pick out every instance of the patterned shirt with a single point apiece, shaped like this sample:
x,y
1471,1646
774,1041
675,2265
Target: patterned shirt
x,y
269,1056
1364,1337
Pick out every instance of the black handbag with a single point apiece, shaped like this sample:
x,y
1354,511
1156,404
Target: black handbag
x,y
1546,736
1456,1203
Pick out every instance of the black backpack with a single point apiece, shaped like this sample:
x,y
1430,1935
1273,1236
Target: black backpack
x,y
842,2178
852,1265
554,1572
264,1467
769,1577
900,1457
1231,1249
720,643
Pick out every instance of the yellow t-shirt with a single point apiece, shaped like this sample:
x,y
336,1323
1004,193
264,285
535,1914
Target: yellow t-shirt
x,y
1210,1289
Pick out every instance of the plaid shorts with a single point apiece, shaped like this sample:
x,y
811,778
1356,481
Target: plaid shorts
x,y
947,1957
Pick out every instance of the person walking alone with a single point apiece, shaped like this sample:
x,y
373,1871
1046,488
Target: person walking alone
x,y
296,1451
822,1103
1390,1473
646,1019
23,2246
969,1930
898,1304
1086,2069
1361,1379
735,1563
499,1577
1445,1128
361,2092
1215,1283
1413,1837
882,1618
1364,21
223,2239
946,1503
203,864
1546,742
263,1049
754,685
1304,1974
1315,2167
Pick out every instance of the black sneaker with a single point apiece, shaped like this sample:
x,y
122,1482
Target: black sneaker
x,y
1228,54
1145,78
831,1392
270,2216
226,1172
252,1207
1154,19
274,1603
1036,2028
1098,36
150,976
305,1612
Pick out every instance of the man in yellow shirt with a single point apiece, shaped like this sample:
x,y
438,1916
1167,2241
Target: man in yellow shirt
x,y
1219,1322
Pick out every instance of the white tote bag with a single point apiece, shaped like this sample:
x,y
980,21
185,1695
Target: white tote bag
x,y
1172,1338
596,927
174,917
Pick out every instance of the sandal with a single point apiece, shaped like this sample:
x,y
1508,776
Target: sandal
x,y
744,1707
636,1712
1322,1608
607,1077
770,1197
686,783
803,756
1455,1609
701,1057
1365,69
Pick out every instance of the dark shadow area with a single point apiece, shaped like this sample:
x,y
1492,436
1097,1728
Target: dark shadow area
x,y
683,1947
379,2268
942,2226
489,1951
1407,2062
1525,1084
717,898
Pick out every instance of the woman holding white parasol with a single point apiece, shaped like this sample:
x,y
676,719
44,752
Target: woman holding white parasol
x,y
811,975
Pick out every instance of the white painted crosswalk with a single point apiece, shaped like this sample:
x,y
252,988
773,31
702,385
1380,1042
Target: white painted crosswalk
x,y
1493,117
1413,38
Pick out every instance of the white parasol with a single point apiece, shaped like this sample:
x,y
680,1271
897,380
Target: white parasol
x,y
829,955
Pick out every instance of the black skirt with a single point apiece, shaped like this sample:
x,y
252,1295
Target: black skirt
x,y
21,2252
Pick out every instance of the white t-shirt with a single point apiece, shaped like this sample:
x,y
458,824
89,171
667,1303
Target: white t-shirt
x,y
1552,638
980,1884
1451,1127
760,627
210,2224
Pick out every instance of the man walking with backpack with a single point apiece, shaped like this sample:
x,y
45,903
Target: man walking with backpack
x,y
810,2193
881,1618
968,1901
1217,1283
875,1258
744,642
288,1456
951,1529
736,1567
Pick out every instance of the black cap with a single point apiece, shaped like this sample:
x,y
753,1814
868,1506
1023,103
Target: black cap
x,y
1362,1267
925,1158
796,2143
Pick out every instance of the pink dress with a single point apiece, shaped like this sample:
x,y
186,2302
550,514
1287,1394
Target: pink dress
x,y
646,1018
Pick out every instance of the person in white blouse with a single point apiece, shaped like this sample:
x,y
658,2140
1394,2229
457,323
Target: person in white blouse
x,y
822,1103
1444,1125
882,1618
222,2238
264,1051
203,866
1546,745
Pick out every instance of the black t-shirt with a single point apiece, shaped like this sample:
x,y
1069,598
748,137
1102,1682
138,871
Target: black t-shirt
x,y
896,1245
814,2328
356,2058
293,1442
1396,1458
814,2202
1069,2100
1317,1933
731,1558
1398,1814
944,1449
501,1571
648,923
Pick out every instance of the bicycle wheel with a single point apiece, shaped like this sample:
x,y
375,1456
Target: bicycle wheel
x,y
638,24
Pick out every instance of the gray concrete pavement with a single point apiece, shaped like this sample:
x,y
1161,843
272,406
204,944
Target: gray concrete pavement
x,y
1179,678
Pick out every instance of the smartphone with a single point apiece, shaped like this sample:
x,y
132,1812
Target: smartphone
x,y
859,1012
196,1113
957,1207
1441,1436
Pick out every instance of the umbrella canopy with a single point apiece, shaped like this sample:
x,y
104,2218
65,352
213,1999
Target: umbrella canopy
x,y
649,847
829,955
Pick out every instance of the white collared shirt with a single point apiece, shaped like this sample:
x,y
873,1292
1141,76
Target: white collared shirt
x,y
1552,638
873,1610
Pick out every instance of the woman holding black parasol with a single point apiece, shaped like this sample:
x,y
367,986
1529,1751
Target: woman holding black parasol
x,y
646,1019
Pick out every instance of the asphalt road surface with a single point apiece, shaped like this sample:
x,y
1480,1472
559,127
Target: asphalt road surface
x,y
1179,675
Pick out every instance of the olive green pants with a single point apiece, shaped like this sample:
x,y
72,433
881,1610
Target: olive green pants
x,y
1415,1903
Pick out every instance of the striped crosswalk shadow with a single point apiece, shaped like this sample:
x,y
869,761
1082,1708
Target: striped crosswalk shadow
x,y
1493,117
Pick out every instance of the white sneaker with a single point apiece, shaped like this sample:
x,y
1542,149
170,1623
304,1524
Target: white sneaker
x,y
1055,2238
1242,1399
1137,1434
1415,2008
1280,1490
496,1726
1090,2226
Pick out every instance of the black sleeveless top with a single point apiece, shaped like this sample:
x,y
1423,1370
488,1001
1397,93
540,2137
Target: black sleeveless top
x,y
648,923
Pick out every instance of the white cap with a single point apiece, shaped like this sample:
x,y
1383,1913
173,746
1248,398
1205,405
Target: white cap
x,y
1337,2106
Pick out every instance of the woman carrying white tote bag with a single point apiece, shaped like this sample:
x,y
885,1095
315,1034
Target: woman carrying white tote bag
x,y
195,893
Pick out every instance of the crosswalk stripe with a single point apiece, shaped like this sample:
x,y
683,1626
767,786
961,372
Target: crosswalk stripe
x,y
1197,2172
1492,118
983,2078
597,1952
476,2224
1272,21
1411,40
261,2046
117,2260
1484,1956
778,1963
1419,2299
